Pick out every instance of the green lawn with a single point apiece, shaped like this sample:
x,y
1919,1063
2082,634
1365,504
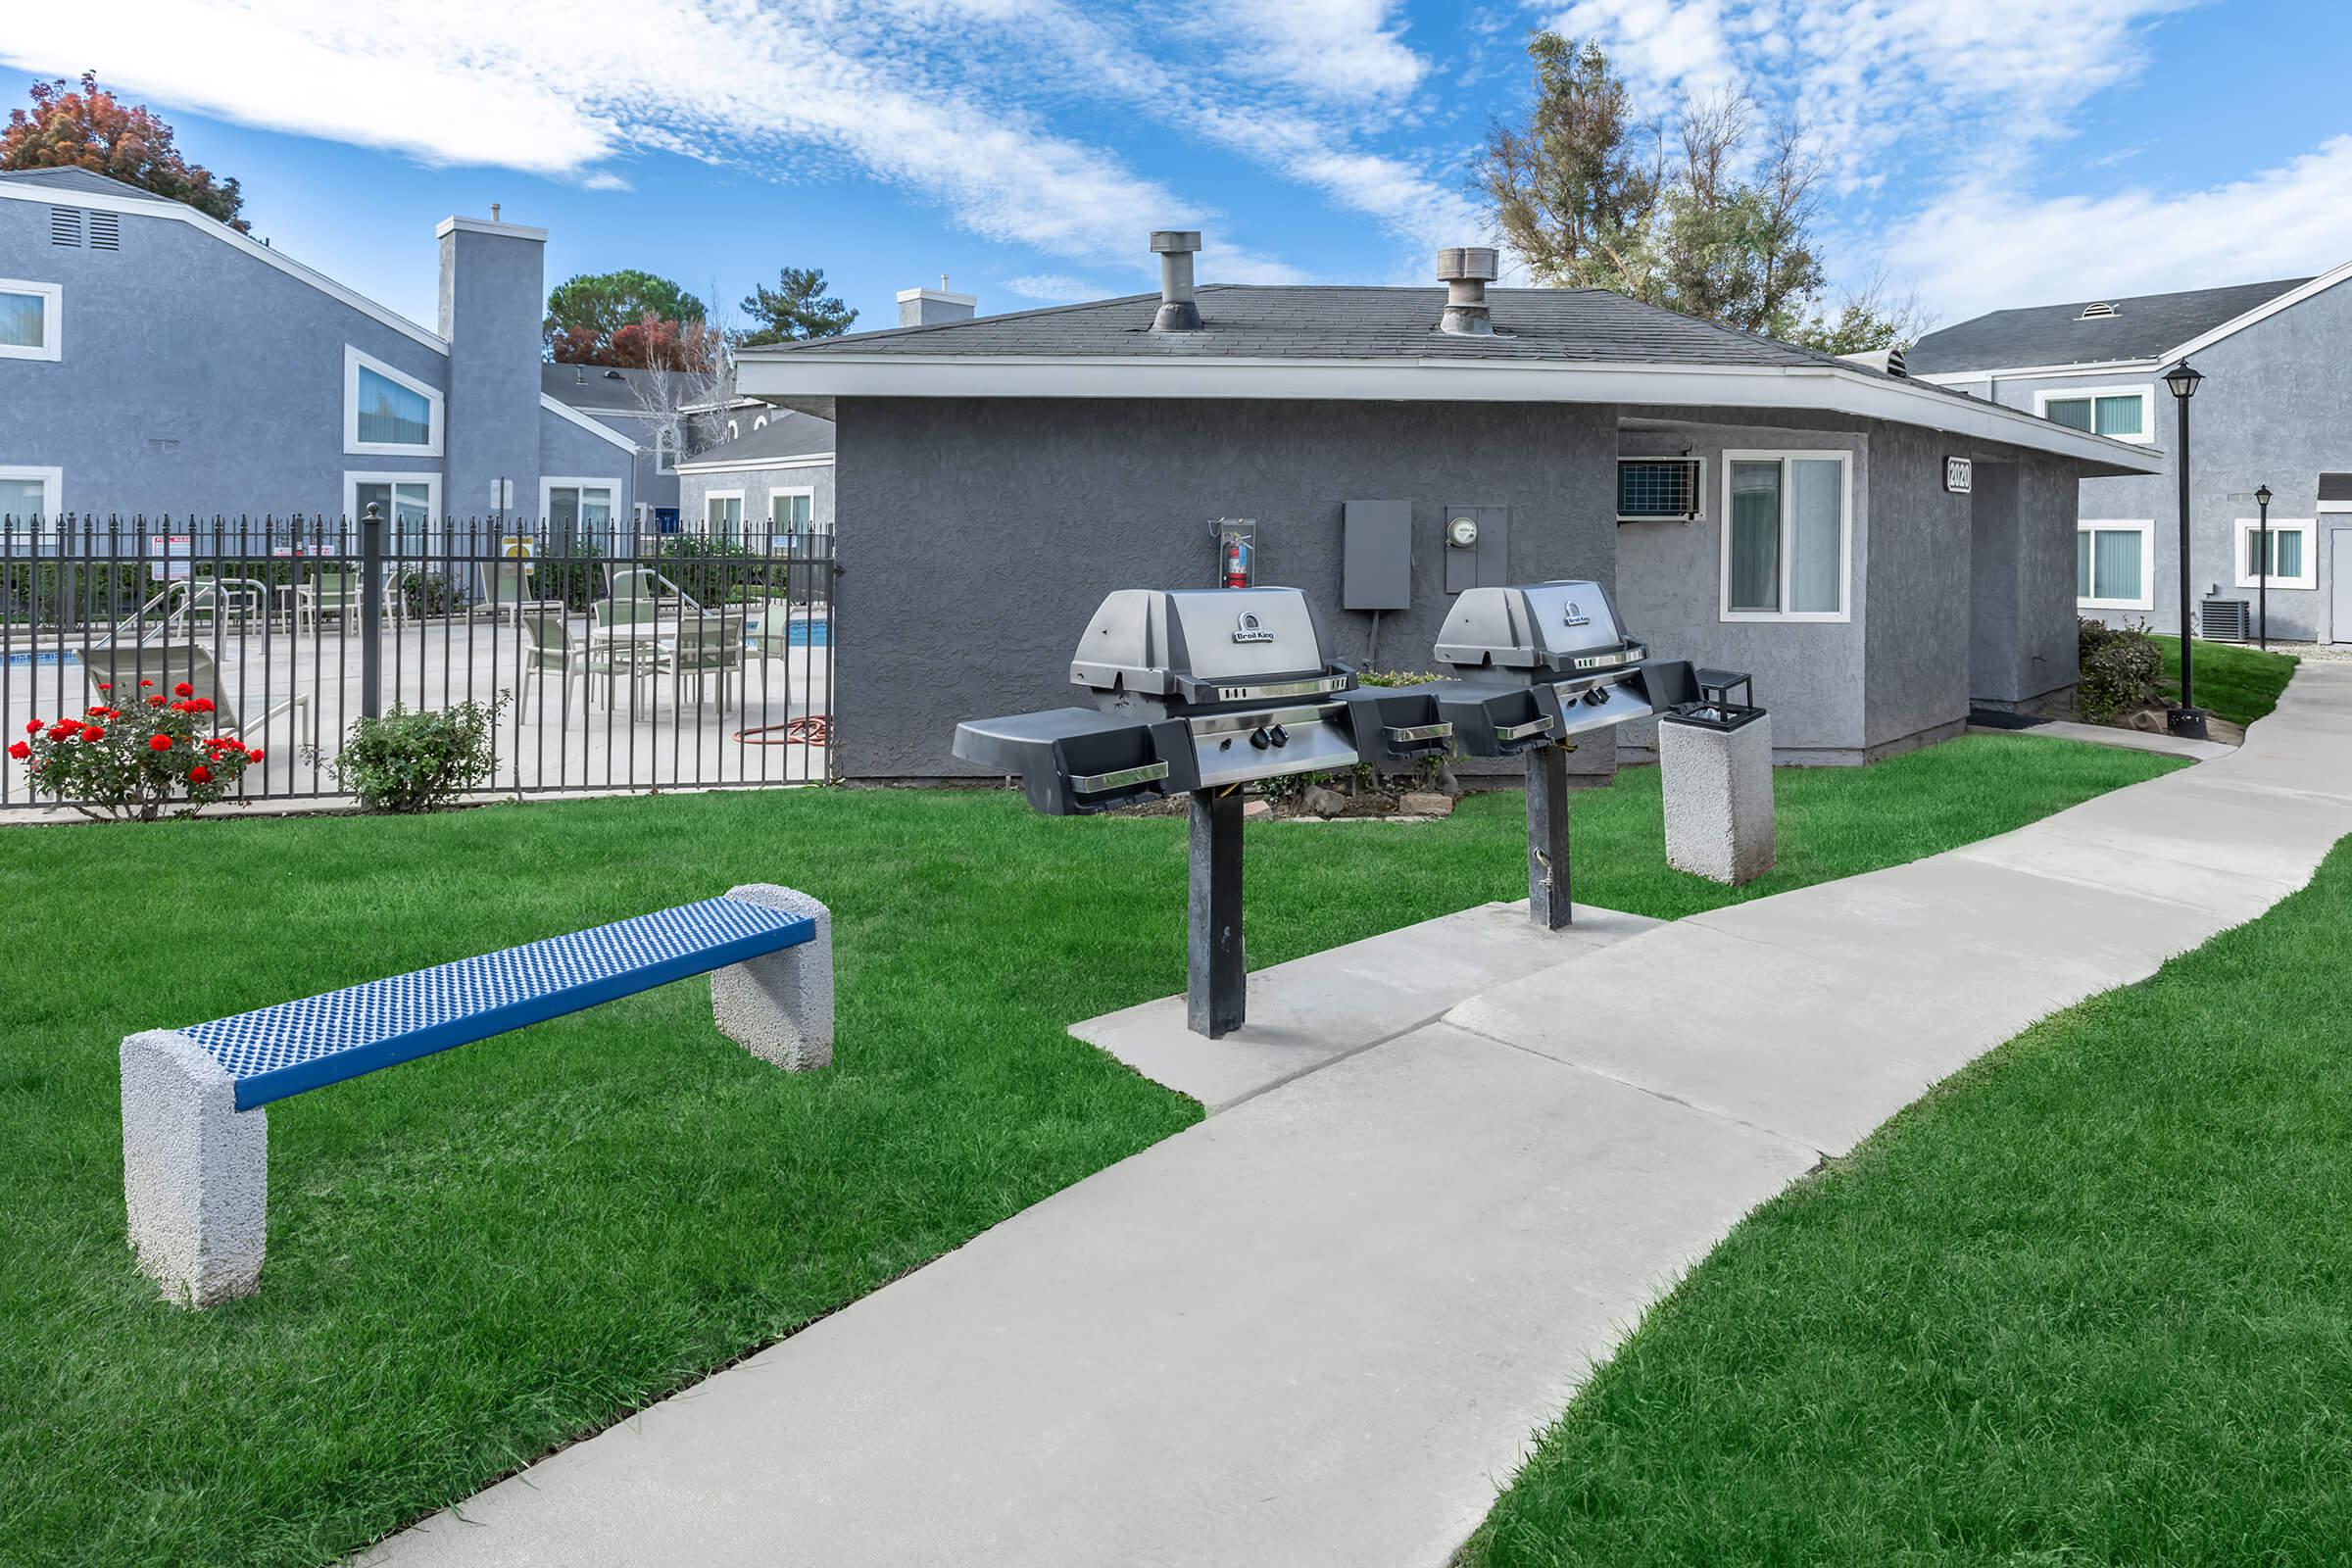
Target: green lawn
x,y
2090,1302
482,1255
2239,684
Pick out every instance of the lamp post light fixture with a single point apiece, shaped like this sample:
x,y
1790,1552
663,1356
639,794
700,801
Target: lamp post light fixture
x,y
2186,718
2262,580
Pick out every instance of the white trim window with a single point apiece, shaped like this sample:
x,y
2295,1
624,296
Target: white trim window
x,y
2119,412
408,502
30,319
2115,563
790,512
1788,535
722,517
27,493
665,448
2294,553
576,512
387,412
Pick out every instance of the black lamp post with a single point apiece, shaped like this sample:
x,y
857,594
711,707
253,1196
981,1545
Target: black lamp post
x,y
2262,579
2188,718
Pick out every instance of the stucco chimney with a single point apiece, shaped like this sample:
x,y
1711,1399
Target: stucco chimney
x,y
1179,310
1466,270
493,298
928,307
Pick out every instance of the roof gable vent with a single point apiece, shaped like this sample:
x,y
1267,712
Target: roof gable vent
x,y
2098,312
65,225
106,231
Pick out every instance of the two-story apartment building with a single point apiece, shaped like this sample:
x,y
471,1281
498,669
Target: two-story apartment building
x,y
2275,410
154,362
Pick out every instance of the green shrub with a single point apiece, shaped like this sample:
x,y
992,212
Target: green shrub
x,y
2121,669
416,760
426,593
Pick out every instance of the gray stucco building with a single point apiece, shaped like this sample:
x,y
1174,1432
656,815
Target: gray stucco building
x,y
771,480
1879,552
2275,408
155,362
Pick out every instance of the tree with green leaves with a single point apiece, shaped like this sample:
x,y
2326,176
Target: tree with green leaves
x,y
92,128
1588,195
585,315
795,311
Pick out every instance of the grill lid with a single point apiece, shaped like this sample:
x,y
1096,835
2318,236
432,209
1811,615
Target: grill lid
x,y
1206,644
1563,627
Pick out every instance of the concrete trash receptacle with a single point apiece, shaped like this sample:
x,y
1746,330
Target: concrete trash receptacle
x,y
1715,767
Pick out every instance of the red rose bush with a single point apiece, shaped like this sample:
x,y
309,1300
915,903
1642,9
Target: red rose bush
x,y
136,762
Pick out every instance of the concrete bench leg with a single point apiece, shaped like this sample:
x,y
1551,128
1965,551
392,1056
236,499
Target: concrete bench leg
x,y
195,1171
780,1007
1717,790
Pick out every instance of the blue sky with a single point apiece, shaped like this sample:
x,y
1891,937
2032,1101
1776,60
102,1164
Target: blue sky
x,y
1982,152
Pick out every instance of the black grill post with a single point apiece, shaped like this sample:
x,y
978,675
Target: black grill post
x,y
371,612
1548,903
1218,973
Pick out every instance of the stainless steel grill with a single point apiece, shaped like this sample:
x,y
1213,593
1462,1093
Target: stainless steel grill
x,y
1198,692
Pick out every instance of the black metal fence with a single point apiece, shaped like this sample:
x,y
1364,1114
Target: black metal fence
x,y
624,661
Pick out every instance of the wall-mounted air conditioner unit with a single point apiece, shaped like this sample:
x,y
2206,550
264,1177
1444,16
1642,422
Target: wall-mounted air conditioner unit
x,y
1661,489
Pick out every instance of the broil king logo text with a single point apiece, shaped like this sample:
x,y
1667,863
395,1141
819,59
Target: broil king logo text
x,y
1250,631
1576,616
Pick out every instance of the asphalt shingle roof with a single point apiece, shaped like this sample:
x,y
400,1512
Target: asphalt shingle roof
x,y
2143,328
1315,321
77,179
600,386
786,434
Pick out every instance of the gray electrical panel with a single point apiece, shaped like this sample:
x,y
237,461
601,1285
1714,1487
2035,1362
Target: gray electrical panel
x,y
1484,562
1376,570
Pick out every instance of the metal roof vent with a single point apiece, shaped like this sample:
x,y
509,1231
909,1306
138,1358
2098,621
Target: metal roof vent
x,y
1179,311
1466,270
1896,365
2096,313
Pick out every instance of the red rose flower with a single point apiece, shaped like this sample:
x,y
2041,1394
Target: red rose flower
x,y
32,726
200,774
93,733
93,710
20,750
254,756
146,683
183,688
106,685
155,700
159,743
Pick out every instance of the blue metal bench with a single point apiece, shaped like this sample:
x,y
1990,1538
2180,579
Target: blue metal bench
x,y
194,1137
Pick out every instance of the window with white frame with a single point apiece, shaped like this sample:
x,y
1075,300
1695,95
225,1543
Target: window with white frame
x,y
2125,413
30,319
722,517
387,412
2294,553
666,450
1788,535
2115,563
28,495
407,502
578,513
791,509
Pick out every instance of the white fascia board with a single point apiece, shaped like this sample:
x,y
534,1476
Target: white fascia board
x,y
566,411
2007,372
182,213
2263,311
811,460
1834,388
483,226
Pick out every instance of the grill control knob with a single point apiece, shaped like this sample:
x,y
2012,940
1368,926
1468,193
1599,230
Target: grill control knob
x,y
1260,739
1595,696
1278,736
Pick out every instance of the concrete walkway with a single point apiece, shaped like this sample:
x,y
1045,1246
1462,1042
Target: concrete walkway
x,y
1321,1326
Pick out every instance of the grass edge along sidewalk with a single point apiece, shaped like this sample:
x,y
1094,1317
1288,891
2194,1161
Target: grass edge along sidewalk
x,y
2088,1301
482,1255
2233,682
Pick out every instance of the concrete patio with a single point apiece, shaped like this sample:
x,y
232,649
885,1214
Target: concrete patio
x,y
1321,1326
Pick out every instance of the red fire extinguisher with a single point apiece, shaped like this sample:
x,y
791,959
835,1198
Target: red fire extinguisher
x,y
1237,562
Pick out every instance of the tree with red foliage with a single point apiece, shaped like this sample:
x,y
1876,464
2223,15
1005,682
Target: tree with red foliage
x,y
93,129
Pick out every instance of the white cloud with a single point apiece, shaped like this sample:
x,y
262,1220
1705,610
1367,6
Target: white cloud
x,y
1346,49
456,81
1981,248
1054,289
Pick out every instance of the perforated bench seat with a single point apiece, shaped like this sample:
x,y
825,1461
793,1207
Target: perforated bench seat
x,y
274,1052
195,1135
